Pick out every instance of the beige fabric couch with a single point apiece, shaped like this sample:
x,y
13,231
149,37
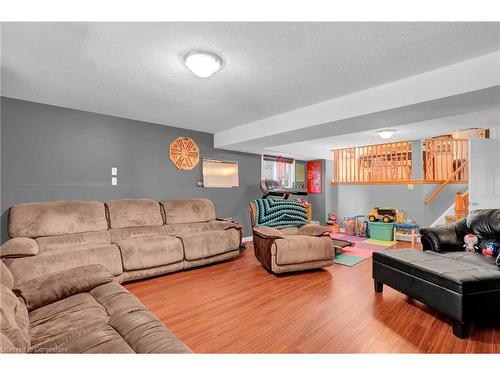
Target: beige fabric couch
x,y
205,239
62,235
294,248
132,238
80,310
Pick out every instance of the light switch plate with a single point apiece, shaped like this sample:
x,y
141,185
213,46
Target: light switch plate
x,y
114,171
114,181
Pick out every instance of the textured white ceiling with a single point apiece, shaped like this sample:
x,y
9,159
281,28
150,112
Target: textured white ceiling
x,y
135,70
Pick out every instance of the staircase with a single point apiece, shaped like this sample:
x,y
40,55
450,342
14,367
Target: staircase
x,y
456,211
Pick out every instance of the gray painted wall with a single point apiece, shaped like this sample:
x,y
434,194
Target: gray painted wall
x,y
359,199
53,153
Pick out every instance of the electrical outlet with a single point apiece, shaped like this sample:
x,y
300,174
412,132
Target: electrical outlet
x,y
114,180
410,186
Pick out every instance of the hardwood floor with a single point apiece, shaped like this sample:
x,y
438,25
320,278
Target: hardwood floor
x,y
238,307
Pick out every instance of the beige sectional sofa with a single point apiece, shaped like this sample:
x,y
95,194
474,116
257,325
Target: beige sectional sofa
x,y
132,238
78,310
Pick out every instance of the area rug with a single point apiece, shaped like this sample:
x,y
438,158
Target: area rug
x,y
347,260
362,249
380,242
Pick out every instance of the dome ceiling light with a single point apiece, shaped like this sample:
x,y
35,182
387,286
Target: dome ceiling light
x,y
203,64
386,133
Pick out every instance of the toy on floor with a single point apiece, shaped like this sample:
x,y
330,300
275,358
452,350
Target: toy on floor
x,y
332,221
471,241
361,226
406,232
384,214
349,226
400,216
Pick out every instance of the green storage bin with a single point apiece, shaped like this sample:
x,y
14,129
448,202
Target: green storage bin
x,y
381,231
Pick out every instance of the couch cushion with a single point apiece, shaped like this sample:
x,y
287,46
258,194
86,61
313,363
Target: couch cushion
x,y
19,247
56,218
290,230
116,299
179,230
59,285
126,213
485,223
24,269
6,277
146,334
68,241
64,320
209,243
299,249
460,271
188,211
6,346
13,318
103,339
150,252
137,232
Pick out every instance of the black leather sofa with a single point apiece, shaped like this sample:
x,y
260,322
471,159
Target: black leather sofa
x,y
459,284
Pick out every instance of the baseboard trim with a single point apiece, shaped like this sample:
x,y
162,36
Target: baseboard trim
x,y
247,239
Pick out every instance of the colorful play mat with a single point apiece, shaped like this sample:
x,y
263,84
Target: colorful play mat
x,y
362,248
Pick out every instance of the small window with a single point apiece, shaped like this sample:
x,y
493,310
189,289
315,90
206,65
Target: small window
x,y
278,168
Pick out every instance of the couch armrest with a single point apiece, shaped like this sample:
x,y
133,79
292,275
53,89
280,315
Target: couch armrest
x,y
53,287
267,232
314,230
447,238
19,247
218,224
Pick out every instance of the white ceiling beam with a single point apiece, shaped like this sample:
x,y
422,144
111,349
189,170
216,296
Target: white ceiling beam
x,y
439,93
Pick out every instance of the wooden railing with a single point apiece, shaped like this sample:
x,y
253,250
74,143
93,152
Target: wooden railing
x,y
446,182
443,157
385,163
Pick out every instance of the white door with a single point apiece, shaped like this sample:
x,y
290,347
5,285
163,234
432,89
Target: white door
x,y
484,173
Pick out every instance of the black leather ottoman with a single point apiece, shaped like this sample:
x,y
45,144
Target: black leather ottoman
x,y
457,284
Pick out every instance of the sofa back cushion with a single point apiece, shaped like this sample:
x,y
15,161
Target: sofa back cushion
x,y
137,232
14,321
485,223
188,211
69,241
6,278
127,213
56,218
180,230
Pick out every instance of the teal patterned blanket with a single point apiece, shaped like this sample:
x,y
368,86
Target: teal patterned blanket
x,y
279,213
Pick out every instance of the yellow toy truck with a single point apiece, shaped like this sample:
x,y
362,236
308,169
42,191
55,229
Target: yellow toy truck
x,y
384,214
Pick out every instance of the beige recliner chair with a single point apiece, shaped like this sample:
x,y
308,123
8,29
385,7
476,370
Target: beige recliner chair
x,y
292,248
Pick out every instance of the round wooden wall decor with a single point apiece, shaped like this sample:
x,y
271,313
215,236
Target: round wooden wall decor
x,y
184,153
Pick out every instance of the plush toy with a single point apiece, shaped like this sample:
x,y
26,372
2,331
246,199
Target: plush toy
x,y
332,219
490,248
471,241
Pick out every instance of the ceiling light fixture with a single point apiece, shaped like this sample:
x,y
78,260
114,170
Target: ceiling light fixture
x,y
203,64
386,133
